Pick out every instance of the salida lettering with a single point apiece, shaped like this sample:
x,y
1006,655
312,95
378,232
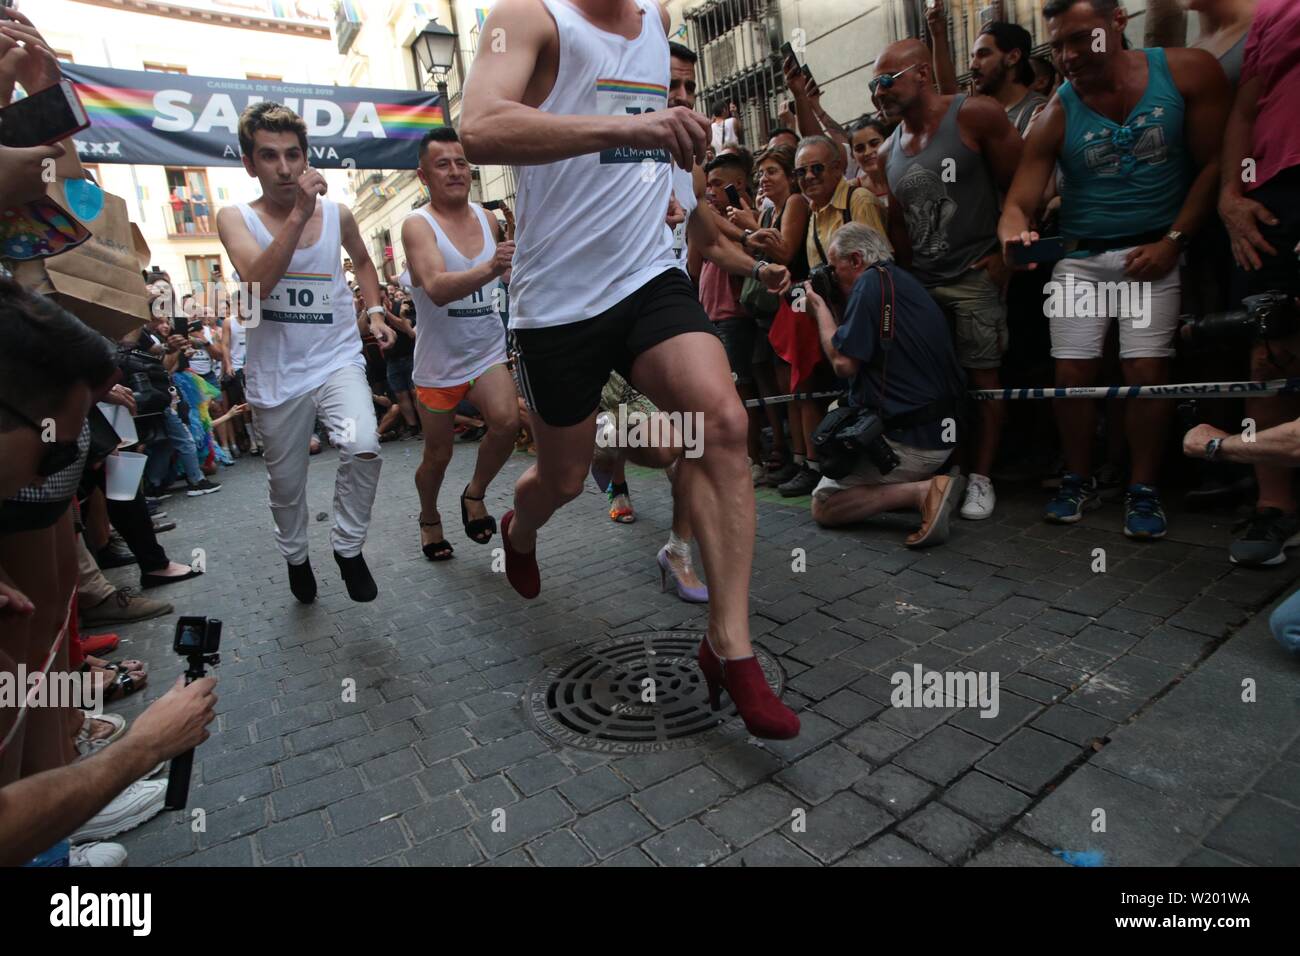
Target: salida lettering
x,y
323,117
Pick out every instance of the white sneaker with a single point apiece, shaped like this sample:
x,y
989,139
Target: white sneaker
x,y
979,499
97,854
141,801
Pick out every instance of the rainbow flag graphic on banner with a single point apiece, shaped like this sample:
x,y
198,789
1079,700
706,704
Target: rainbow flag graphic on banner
x,y
159,118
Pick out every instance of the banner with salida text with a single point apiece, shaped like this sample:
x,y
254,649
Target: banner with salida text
x,y
167,119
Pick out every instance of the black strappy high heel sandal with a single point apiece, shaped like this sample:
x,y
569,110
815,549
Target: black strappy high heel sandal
x,y
437,550
475,529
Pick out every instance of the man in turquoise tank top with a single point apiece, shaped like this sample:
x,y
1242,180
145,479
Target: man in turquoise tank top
x,y
1134,133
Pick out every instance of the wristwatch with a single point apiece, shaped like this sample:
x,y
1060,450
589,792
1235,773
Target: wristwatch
x,y
758,267
376,310
1177,237
744,237
1212,448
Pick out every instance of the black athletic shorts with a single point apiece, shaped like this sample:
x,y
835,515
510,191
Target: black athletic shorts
x,y
562,369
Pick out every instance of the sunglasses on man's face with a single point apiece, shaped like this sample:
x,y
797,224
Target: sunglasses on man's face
x,y
814,169
886,80
57,455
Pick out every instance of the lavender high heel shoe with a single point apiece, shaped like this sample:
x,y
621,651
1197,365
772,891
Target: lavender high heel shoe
x,y
698,595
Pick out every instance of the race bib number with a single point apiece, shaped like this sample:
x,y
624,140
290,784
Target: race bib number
x,y
627,98
300,298
477,303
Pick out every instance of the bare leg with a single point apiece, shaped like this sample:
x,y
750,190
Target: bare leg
x,y
1076,418
1147,421
679,561
670,460
555,479
433,466
992,418
857,504
689,373
407,407
811,413
390,419
494,396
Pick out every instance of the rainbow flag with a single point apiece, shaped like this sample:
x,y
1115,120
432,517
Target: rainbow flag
x,y
350,11
625,86
117,106
481,15
409,122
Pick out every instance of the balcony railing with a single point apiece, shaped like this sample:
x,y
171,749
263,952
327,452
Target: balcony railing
x,y
192,219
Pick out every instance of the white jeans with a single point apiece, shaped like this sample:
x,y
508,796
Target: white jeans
x,y
1087,293
344,405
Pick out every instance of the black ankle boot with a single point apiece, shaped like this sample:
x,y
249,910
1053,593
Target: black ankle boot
x,y
361,586
302,582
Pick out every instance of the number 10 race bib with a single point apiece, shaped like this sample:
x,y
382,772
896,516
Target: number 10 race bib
x,y
628,98
302,298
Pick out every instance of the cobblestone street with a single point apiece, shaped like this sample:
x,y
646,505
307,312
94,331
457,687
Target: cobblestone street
x,y
1120,691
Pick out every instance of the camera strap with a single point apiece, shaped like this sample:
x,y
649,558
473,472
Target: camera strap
x,y
886,328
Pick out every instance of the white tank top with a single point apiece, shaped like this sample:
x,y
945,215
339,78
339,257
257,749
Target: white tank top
x,y
724,134
684,191
308,326
201,360
461,340
238,343
591,229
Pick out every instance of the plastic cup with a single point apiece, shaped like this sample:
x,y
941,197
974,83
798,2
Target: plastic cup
x,y
124,471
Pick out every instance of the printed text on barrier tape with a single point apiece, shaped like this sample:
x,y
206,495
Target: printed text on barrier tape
x,y
1277,386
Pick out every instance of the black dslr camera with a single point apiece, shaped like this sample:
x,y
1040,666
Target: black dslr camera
x,y
197,639
821,279
1267,316
845,435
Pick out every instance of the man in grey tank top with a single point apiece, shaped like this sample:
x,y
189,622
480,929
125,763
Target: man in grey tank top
x,y
946,164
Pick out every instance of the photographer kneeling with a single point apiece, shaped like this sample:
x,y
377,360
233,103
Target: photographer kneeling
x,y
1279,447
905,393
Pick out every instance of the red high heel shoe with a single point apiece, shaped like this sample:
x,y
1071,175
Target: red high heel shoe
x,y
764,714
521,567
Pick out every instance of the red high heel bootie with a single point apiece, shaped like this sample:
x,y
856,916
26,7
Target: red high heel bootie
x,y
764,714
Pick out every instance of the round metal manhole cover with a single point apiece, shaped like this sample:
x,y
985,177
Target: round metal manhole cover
x,y
640,693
